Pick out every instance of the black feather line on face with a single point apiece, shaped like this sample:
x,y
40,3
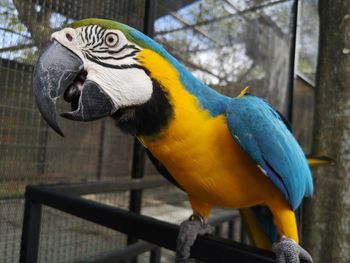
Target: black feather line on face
x,y
99,58
85,34
99,42
148,119
89,57
100,32
90,33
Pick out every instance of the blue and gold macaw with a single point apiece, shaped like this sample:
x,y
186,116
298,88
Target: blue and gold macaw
x,y
225,152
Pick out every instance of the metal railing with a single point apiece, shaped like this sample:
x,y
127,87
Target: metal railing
x,y
153,232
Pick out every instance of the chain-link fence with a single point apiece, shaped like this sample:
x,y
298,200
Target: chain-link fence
x,y
229,44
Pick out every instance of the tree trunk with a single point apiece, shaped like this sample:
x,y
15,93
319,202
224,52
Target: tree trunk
x,y
327,214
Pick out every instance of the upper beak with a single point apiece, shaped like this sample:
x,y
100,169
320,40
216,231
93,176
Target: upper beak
x,y
56,73
55,70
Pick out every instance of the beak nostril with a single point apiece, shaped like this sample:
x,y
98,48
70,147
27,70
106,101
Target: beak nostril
x,y
69,37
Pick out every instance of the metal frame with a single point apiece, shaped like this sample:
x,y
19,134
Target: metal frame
x,y
32,216
67,198
206,248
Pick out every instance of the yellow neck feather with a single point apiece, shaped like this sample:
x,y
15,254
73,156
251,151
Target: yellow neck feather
x,y
187,110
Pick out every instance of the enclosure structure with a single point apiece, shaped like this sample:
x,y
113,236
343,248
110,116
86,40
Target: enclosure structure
x,y
228,44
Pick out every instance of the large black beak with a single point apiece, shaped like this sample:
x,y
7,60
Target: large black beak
x,y
59,71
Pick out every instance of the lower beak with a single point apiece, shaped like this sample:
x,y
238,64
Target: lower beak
x,y
56,73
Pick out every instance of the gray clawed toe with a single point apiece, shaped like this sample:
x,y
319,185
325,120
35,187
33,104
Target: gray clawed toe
x,y
189,229
288,251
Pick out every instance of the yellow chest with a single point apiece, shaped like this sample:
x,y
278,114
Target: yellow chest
x,y
198,149
209,165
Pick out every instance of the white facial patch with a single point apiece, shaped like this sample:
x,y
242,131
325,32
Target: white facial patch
x,y
126,87
109,60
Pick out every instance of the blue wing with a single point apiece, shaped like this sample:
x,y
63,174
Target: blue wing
x,y
262,134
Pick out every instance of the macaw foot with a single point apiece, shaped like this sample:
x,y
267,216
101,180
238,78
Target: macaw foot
x,y
288,251
189,229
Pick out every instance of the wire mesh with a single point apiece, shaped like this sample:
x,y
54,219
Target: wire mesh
x,y
30,153
229,44
65,238
233,44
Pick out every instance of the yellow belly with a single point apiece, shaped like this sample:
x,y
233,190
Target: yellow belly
x,y
211,166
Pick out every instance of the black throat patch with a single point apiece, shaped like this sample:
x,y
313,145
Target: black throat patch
x,y
147,119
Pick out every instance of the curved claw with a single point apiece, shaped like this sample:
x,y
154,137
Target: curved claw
x,y
189,230
288,251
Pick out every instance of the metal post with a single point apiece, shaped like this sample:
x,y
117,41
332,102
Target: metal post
x,y
149,18
139,153
155,255
136,173
294,31
101,150
218,229
231,229
30,232
242,234
292,51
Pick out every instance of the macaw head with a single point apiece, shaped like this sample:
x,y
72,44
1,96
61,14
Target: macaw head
x,y
96,66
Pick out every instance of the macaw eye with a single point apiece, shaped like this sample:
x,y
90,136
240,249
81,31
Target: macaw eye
x,y
111,39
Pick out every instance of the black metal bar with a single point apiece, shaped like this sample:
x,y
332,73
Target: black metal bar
x,y
101,149
135,201
137,173
149,18
123,184
218,230
135,249
208,249
231,229
30,232
121,254
155,255
242,234
138,162
292,51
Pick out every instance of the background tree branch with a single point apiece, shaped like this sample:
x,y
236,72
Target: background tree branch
x,y
37,22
